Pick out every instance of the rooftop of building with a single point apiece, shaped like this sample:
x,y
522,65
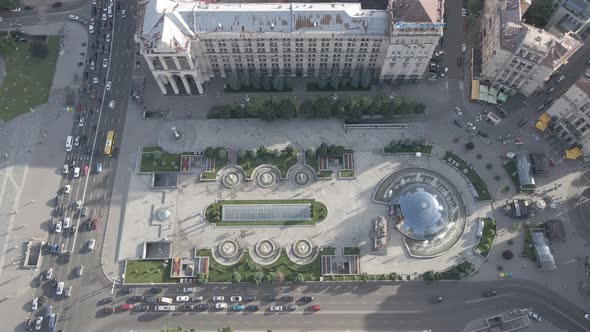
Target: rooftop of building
x,y
515,34
584,83
365,4
417,10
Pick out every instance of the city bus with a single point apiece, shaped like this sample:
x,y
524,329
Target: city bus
x,y
110,144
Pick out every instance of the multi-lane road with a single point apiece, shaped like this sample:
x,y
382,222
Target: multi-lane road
x,y
93,189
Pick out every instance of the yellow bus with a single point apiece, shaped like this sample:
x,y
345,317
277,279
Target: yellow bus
x,y
109,145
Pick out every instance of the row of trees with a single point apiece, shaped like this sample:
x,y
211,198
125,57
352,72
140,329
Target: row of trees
x,y
349,108
326,150
254,81
212,153
331,80
262,151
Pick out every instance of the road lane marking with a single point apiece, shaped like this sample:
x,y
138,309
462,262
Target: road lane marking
x,y
487,298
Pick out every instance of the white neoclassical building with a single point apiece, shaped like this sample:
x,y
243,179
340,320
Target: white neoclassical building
x,y
186,42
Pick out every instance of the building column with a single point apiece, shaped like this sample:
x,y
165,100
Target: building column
x,y
198,82
186,86
177,63
150,62
161,84
163,62
173,83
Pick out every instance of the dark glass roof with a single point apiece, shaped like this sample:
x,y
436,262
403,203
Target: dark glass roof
x,y
423,215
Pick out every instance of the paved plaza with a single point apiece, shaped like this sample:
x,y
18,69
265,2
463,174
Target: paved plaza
x,y
350,208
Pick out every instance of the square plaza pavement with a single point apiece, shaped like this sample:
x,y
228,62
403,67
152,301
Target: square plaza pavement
x,y
351,210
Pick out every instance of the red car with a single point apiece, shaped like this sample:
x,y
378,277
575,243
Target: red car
x,y
126,306
315,307
85,170
94,224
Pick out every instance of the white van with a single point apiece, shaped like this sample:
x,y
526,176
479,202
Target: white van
x,y
165,308
91,244
166,300
69,143
110,11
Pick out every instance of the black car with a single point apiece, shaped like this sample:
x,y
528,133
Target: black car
x,y
203,306
143,307
152,300
54,282
42,299
29,325
127,290
108,299
249,298
458,123
271,298
138,298
66,256
88,225
482,133
253,308
188,307
490,293
287,298
156,290
307,299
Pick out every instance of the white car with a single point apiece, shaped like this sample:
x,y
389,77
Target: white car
x,y
73,17
108,37
218,298
105,63
123,13
77,141
91,28
561,78
463,48
235,299
76,172
108,85
181,298
48,273
65,169
95,80
535,316
69,291
67,222
35,304
112,104
587,316
276,308
98,168
58,227
463,12
78,205
104,17
60,288
67,189
81,122
458,110
188,289
220,306
39,323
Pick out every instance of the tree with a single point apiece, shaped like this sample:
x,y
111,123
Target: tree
x,y
538,13
253,153
236,277
10,4
290,150
262,151
245,78
210,152
355,78
469,146
474,6
429,276
323,80
279,277
258,277
234,82
266,83
334,80
255,81
323,150
277,153
38,49
225,329
269,277
366,79
157,155
298,278
241,153
202,278
221,153
310,152
278,83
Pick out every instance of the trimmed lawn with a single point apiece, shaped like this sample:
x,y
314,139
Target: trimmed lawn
x,y
209,175
247,268
328,251
283,163
347,173
168,162
319,212
476,180
312,162
325,174
147,271
251,89
351,251
425,149
489,232
28,80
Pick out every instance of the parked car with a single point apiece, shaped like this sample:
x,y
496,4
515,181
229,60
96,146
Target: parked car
x,y
203,306
197,298
108,86
560,78
127,290
35,304
237,307
291,307
60,288
69,291
98,168
315,307
188,289
67,189
253,308
125,306
181,298
76,172
112,104
218,298
108,310
287,298
535,316
458,123
249,298
141,307
482,133
154,290
80,270
271,298
39,323
188,307
48,273
307,299
48,310
276,308
235,298
138,298
107,300
58,227
220,305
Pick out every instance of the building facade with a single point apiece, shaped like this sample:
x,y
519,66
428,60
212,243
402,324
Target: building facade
x,y
570,15
186,43
570,115
517,57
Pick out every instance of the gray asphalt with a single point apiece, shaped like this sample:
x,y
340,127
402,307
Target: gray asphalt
x,y
94,189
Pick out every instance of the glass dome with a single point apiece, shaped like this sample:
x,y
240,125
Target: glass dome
x,y
423,217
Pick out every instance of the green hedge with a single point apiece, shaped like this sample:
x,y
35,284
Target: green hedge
x,y
473,177
487,239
